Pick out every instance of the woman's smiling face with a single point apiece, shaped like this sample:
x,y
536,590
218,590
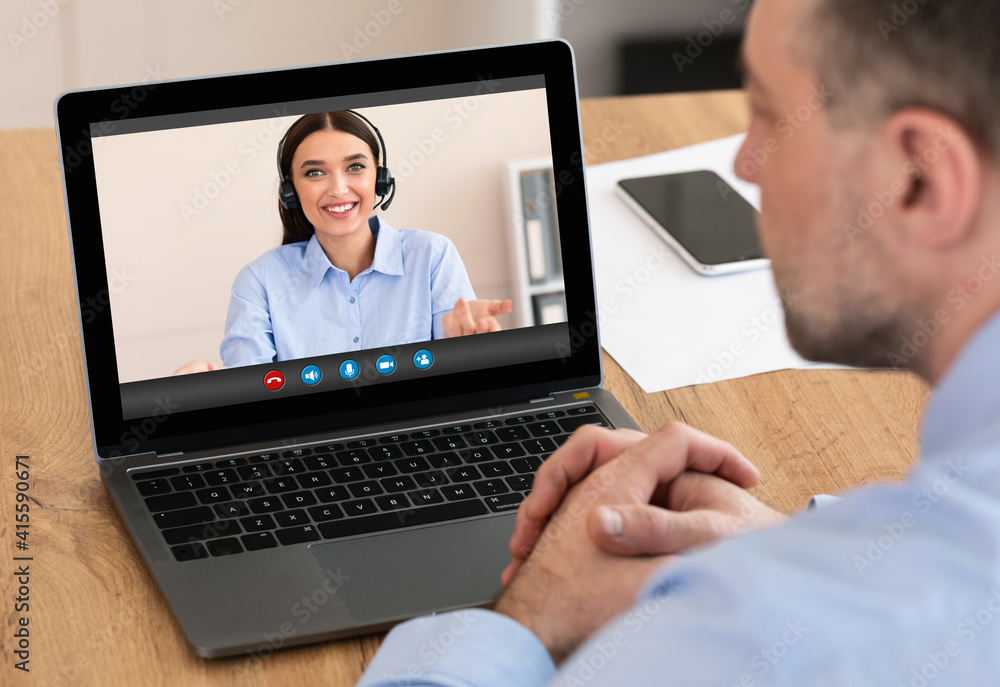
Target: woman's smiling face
x,y
334,177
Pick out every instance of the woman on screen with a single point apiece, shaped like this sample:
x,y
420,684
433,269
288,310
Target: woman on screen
x,y
343,279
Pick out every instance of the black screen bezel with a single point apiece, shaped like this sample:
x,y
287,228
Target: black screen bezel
x,y
283,417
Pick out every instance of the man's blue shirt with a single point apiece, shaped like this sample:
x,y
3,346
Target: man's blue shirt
x,y
293,303
892,586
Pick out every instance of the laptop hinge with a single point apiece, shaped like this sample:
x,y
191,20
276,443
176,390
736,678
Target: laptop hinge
x,y
541,400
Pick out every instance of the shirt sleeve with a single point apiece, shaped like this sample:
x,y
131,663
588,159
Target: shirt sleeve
x,y
449,282
460,649
249,337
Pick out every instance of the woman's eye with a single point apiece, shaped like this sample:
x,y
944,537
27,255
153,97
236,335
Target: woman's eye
x,y
356,167
313,172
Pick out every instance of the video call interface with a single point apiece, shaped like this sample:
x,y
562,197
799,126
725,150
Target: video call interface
x,y
427,247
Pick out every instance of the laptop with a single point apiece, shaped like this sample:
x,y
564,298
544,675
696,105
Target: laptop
x,y
301,497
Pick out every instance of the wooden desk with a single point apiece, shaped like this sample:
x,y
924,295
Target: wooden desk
x,y
96,615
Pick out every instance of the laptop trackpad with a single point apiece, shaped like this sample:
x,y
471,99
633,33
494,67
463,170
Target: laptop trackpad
x,y
400,574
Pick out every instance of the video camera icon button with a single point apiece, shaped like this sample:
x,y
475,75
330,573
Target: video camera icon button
x,y
274,380
311,375
385,365
349,369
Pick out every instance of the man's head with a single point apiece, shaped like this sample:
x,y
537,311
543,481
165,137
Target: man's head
x,y
875,145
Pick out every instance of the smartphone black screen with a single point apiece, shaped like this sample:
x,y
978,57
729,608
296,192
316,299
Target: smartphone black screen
x,y
709,218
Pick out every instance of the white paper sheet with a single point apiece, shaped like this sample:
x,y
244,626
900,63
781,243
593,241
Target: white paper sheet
x,y
667,326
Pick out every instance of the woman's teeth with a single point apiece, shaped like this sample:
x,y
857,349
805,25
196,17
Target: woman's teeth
x,y
340,208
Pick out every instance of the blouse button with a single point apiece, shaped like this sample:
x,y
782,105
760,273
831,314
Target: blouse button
x,y
355,339
352,299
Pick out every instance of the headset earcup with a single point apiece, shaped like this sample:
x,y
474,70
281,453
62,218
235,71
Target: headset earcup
x,y
286,194
383,181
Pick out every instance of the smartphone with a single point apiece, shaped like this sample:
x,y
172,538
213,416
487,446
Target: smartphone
x,y
701,217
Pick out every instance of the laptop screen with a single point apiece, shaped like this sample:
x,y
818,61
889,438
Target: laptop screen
x,y
415,252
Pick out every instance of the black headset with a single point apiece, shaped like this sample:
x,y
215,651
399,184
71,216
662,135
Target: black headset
x,y
385,185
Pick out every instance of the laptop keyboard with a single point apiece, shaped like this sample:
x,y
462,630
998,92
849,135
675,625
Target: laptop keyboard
x,y
334,490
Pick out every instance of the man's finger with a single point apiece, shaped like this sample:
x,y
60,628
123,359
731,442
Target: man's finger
x,y
589,447
486,308
643,529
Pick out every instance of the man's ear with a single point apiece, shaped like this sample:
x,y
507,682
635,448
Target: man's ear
x,y
939,186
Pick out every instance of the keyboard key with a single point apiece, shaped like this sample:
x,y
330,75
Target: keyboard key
x,y
322,513
255,472
425,434
345,475
280,484
362,443
394,485
417,448
520,482
189,552
287,467
360,507
297,453
225,547
331,494
430,479
297,535
299,499
570,424
491,486
458,492
516,433
426,497
187,516
208,530
353,457
497,468
323,462
233,509
183,482
219,477
582,410
463,474
155,474
523,465
291,518
388,521
386,452
450,443
258,541
312,480
519,420
551,415
560,440
248,489
258,523
365,489
393,439
457,429
200,467
264,457
330,448
376,470
537,446
489,424
409,465
392,502
444,460
544,429
184,499
504,502
482,438
230,463
508,451
154,487
475,455
268,504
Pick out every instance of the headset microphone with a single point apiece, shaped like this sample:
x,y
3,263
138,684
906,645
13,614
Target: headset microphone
x,y
385,185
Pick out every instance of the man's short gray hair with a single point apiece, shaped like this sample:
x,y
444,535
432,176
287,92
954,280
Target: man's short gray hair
x,y
880,56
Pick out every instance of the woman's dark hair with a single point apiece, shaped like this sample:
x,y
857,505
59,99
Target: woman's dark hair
x,y
295,226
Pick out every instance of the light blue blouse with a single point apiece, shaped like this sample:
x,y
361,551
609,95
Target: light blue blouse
x,y
291,302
